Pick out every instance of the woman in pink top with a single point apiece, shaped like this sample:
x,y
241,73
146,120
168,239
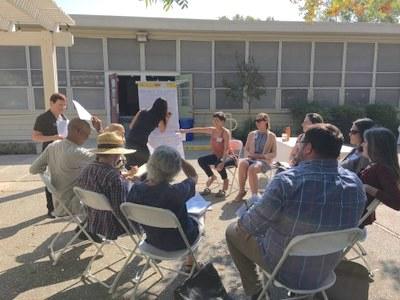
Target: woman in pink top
x,y
221,154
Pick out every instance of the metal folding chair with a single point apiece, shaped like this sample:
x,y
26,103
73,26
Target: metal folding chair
x,y
72,219
237,148
160,218
358,248
314,244
100,202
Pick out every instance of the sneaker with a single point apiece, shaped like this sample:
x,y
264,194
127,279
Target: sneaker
x,y
50,215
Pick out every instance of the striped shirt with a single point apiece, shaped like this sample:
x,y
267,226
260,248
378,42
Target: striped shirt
x,y
315,196
104,179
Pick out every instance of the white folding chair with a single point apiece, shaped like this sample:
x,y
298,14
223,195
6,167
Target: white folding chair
x,y
100,202
237,147
358,248
314,244
159,218
72,219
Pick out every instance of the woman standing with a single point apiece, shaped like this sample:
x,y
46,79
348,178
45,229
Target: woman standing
x,y
220,157
382,176
261,150
355,161
144,122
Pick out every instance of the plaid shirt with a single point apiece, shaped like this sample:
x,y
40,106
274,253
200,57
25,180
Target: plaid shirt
x,y
104,179
315,196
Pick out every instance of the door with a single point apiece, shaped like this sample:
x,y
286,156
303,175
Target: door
x,y
185,95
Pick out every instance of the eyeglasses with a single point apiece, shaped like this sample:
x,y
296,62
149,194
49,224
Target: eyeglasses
x,y
353,131
261,120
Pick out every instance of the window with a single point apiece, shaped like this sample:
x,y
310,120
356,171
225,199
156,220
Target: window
x,y
225,102
13,98
388,96
265,55
328,64
86,54
358,97
388,66
359,64
326,97
293,96
266,101
90,98
296,60
123,54
161,55
201,98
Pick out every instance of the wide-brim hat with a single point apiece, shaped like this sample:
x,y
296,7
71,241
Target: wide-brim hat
x,y
111,143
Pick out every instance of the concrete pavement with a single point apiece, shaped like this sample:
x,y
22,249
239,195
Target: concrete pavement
x,y
25,233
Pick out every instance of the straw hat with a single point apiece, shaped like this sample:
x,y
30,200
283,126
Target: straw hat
x,y
111,143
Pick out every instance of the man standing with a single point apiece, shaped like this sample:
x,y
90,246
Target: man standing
x,y
65,159
316,196
45,131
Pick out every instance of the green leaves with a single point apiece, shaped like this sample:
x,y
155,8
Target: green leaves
x,y
167,4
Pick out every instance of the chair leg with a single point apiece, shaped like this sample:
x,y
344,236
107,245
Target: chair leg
x,y
86,273
133,297
324,295
115,282
233,180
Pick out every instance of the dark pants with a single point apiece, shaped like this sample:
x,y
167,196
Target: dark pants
x,y
212,159
49,198
139,158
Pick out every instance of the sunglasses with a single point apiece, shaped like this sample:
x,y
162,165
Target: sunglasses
x,y
261,120
354,131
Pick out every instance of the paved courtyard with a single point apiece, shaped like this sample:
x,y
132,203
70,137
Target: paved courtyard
x,y
26,271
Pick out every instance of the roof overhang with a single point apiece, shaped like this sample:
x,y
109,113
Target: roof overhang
x,y
44,13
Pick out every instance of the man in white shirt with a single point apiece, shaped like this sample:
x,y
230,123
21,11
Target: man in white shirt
x,y
65,159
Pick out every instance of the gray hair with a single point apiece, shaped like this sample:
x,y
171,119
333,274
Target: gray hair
x,y
164,164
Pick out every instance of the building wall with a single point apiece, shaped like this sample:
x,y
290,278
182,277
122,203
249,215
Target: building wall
x,y
330,70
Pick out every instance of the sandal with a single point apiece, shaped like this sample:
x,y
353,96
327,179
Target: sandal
x,y
239,196
205,192
220,194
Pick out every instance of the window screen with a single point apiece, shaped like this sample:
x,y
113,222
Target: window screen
x,y
12,57
326,97
295,79
86,54
360,57
37,78
225,102
201,98
358,79
123,54
328,57
195,56
296,56
356,97
388,79
388,96
228,54
13,98
388,58
265,55
327,79
90,98
13,78
266,101
36,59
291,97
230,77
161,55
89,79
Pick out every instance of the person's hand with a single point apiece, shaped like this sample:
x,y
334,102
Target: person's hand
x,y
57,137
97,124
370,190
130,174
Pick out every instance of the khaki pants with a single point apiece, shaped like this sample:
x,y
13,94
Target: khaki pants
x,y
246,254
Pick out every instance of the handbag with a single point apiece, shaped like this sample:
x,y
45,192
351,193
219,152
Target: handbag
x,y
204,284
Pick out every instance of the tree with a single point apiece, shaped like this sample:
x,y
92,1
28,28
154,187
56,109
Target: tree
x,y
248,84
238,17
350,10
167,4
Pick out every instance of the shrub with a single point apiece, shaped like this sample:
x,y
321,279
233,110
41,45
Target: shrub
x,y
384,115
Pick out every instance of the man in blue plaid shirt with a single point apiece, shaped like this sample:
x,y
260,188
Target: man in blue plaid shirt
x,y
316,196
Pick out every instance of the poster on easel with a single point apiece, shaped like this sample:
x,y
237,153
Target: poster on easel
x,y
148,93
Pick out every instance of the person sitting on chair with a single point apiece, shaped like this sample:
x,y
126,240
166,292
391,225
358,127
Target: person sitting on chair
x,y
317,195
381,177
355,161
261,150
221,156
157,191
65,159
103,177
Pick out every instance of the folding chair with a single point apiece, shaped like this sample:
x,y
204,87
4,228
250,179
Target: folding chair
x,y
361,253
314,244
160,218
237,148
71,219
100,202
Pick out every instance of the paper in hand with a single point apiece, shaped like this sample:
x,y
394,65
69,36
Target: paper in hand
x,y
83,114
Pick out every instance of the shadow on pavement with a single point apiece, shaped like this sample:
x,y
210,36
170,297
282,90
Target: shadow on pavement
x,y
229,210
12,230
21,195
390,267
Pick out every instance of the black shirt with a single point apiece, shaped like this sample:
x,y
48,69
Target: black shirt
x,y
46,124
143,126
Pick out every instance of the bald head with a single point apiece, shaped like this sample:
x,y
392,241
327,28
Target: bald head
x,y
78,131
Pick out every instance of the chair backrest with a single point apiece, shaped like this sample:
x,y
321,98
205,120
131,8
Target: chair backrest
x,y
150,216
92,199
370,209
323,243
236,146
47,181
